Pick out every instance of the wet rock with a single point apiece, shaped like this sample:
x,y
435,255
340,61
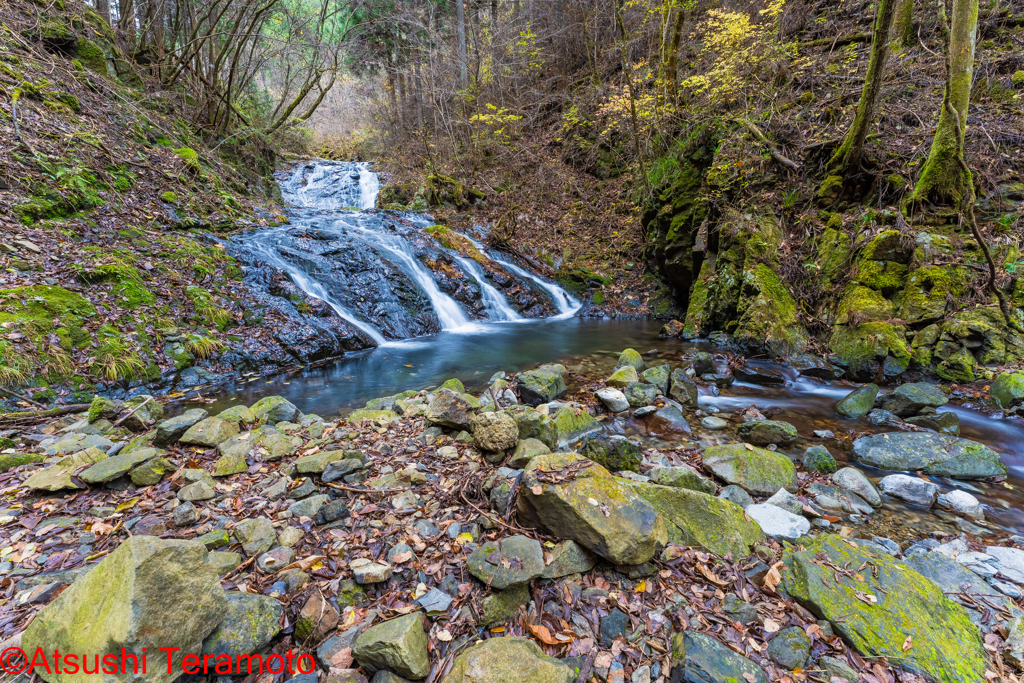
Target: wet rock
x,y
697,519
399,645
526,451
209,432
930,453
778,523
858,402
838,499
508,660
172,429
639,394
898,602
683,477
812,366
943,423
249,623
570,425
613,399
614,453
712,422
256,535
534,425
274,409
237,414
668,422
737,495
568,558
1008,389
962,502
790,648
707,661
138,588
366,571
591,508
110,468
855,481
908,399
1009,562
818,459
883,418
739,610
60,475
540,386
910,489
759,374
787,501
316,619
630,358
683,389
658,376
758,471
494,432
673,328
449,409
764,432
952,576
622,377
507,563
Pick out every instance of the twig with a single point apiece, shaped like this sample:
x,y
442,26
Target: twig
x,y
756,132
352,488
133,411
23,398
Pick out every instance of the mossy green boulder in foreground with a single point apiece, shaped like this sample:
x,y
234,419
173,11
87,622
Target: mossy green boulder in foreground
x,y
1008,389
885,609
759,471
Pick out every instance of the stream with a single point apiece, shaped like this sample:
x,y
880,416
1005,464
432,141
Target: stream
x,y
423,323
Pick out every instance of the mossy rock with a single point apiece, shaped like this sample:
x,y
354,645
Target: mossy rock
x,y
958,368
885,276
190,157
926,294
769,320
829,191
125,280
91,56
1008,389
832,255
900,607
9,460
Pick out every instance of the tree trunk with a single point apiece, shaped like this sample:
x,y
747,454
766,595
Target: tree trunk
x,y
846,160
903,29
673,55
944,178
103,9
460,29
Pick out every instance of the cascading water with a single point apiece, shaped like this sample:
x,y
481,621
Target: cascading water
x,y
494,301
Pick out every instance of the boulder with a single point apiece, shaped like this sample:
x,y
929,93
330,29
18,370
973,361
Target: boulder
x,y
946,422
697,519
318,462
250,622
152,471
60,475
399,645
705,660
226,465
818,459
74,443
209,432
764,432
570,425
757,373
778,523
170,430
953,577
640,394
614,453
910,489
668,423
256,535
534,425
630,358
110,468
507,563
839,499
683,389
683,477
147,412
858,402
790,648
590,507
133,599
734,494
673,328
855,481
508,660
526,451
622,377
931,453
613,399
494,432
102,408
758,471
658,376
449,409
540,386
908,399
274,409
237,414
317,618
1008,389
877,611
567,558
378,417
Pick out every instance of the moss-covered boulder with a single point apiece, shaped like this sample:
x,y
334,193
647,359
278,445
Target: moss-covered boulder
x,y
863,336
622,377
756,470
274,409
1008,389
508,660
540,386
658,376
697,519
959,367
883,608
250,622
449,409
60,475
209,432
615,453
683,389
931,453
764,432
108,469
398,645
631,358
10,460
571,424
769,320
908,399
534,425
133,599
858,402
590,507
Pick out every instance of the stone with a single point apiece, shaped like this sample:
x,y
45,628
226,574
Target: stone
x,y
237,414
837,668
308,507
133,600
1009,562
839,499
76,443
567,558
952,576
449,409
318,462
274,409
758,471
570,425
858,402
209,432
658,376
377,417
110,468
757,373
337,644
683,389
764,432
897,603
507,563
60,475
1008,389
673,328
708,661
494,432
613,399
341,468
910,489
218,538
526,451
366,571
739,610
534,425
289,536
185,515
501,606
273,560
591,508
908,399
331,512
250,622
435,601
683,477
508,660
946,422
778,523
614,453
172,429
540,386
150,525
398,645
696,519
622,377
712,422
962,502
316,619
1014,652
227,465
735,494
790,648
818,459
787,501
668,423
630,358
197,490
855,481
640,394
614,625
257,535
930,453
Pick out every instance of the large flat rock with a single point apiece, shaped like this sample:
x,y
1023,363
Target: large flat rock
x,y
929,452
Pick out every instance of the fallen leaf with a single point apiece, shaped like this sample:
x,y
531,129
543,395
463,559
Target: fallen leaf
x,y
771,626
908,643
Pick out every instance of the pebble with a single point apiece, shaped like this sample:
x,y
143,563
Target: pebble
x,y
712,422
367,571
823,433
185,515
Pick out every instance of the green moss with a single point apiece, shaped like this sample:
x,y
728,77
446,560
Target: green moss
x,y
829,191
8,461
126,282
169,197
452,240
927,294
862,304
833,252
598,298
957,368
91,55
888,245
885,276
769,319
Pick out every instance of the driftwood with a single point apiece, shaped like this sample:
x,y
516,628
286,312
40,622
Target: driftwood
x,y
35,416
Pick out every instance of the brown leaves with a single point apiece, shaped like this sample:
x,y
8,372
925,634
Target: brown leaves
x,y
774,576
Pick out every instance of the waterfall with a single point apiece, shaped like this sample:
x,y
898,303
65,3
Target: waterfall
x,y
332,185
493,300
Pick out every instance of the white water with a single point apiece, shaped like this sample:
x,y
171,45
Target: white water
x,y
493,300
332,185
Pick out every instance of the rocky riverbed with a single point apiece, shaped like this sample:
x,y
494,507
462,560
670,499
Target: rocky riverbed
x,y
559,525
